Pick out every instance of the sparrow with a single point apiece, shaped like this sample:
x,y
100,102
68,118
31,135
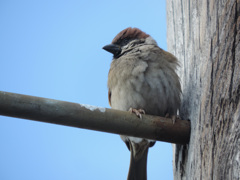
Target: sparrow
x,y
143,79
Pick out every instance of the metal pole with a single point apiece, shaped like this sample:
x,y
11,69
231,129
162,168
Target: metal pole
x,y
94,118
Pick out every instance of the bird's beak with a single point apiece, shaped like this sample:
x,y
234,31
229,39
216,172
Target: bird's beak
x,y
113,48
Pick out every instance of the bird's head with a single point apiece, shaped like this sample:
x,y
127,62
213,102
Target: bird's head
x,y
128,39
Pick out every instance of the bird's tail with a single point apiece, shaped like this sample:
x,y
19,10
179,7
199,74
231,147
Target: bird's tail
x,y
138,162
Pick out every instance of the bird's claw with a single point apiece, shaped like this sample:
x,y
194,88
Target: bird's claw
x,y
173,117
138,112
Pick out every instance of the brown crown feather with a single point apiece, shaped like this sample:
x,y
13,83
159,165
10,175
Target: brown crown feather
x,y
131,33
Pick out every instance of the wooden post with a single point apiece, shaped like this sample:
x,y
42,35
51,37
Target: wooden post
x,y
205,37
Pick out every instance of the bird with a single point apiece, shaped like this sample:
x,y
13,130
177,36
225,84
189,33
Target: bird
x,y
142,79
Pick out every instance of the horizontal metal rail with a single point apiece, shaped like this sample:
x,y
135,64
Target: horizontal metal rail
x,y
94,118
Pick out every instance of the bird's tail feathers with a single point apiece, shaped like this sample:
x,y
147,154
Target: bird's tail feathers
x,y
138,162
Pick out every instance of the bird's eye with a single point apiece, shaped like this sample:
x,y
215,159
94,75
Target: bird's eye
x,y
125,40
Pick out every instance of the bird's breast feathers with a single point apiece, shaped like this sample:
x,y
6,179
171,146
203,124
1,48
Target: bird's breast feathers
x,y
140,81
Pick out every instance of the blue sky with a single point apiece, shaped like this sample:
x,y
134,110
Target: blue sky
x,y
53,49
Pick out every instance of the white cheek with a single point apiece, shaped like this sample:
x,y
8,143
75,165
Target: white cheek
x,y
149,40
125,47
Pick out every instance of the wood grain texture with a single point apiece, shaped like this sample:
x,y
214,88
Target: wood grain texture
x,y
205,36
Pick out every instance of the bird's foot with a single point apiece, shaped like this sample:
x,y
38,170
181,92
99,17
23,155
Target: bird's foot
x,y
173,117
138,112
